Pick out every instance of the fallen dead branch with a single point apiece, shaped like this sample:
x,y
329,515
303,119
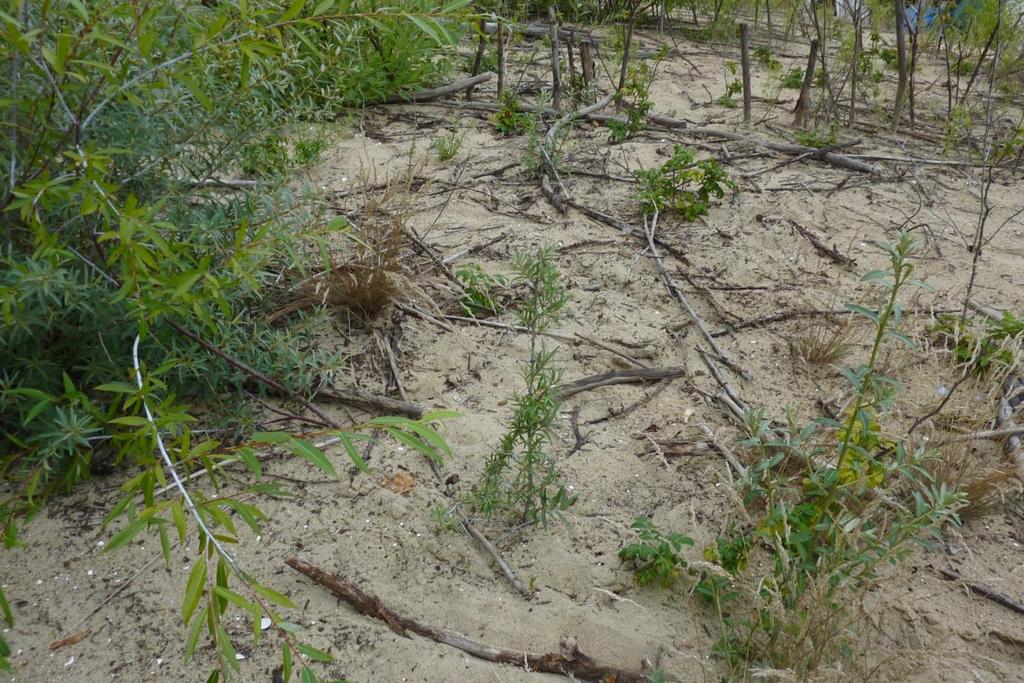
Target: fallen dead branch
x,y
569,661
816,241
559,198
440,91
506,569
618,377
359,398
984,592
677,293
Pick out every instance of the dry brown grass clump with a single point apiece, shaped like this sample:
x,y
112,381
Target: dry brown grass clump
x,y
369,272
988,486
824,341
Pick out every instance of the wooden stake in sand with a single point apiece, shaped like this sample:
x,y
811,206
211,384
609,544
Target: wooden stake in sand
x,y
803,105
745,66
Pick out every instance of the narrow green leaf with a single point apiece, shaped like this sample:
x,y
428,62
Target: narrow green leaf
x,y
279,599
193,634
315,654
126,534
308,451
194,589
353,454
292,11
271,437
307,675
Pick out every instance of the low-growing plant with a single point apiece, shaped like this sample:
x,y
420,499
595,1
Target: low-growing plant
x,y
536,490
683,185
480,297
732,87
508,120
655,556
308,151
449,145
635,97
766,58
824,341
793,79
996,346
836,507
816,138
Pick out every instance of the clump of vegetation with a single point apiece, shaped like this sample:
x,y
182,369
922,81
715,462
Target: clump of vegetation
x,y
449,145
732,87
836,508
655,556
683,185
833,507
793,79
480,298
816,138
824,342
766,58
635,96
536,490
996,346
508,120
986,487
128,275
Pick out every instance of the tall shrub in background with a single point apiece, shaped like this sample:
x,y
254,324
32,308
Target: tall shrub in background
x,y
121,120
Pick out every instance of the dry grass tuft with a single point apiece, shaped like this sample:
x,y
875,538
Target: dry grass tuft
x,y
824,341
988,486
371,272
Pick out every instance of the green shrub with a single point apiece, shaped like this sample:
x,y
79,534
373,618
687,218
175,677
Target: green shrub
x,y
479,298
448,146
816,138
833,509
994,347
794,79
536,490
682,185
508,120
125,259
655,557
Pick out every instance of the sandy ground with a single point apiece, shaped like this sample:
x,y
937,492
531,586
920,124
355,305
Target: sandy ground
x,y
737,268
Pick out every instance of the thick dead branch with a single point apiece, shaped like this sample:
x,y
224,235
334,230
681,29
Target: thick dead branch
x,y
371,402
984,592
569,661
816,241
618,377
441,91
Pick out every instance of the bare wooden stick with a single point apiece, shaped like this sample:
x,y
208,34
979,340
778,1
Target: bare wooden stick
x,y
569,661
556,75
677,293
817,242
479,59
745,66
586,64
440,91
371,402
612,349
501,58
618,377
560,199
985,592
506,569
803,104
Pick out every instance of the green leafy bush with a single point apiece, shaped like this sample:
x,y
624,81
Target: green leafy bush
x,y
682,185
508,120
536,490
128,257
794,78
834,509
993,347
655,557
480,296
